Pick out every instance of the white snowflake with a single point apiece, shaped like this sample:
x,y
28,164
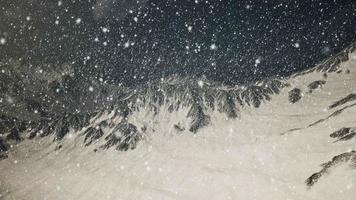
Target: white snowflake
x,y
213,47
200,83
257,61
105,30
127,44
78,21
91,89
2,41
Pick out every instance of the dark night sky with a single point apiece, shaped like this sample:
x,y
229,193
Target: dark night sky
x,y
126,41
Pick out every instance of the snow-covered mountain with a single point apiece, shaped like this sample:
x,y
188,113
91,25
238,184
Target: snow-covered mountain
x,y
188,138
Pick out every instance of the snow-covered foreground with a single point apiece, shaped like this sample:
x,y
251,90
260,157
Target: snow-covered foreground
x,y
267,153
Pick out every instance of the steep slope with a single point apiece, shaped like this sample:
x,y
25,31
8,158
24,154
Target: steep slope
x,y
194,139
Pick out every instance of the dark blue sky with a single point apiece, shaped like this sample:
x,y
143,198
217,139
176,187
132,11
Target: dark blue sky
x,y
127,42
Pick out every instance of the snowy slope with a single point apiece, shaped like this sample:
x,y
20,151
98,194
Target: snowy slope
x,y
263,141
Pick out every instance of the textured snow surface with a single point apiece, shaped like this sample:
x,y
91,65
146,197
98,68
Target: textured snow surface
x,y
267,153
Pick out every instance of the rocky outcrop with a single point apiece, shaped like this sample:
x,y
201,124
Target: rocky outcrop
x,y
315,85
295,95
348,98
124,137
344,134
344,158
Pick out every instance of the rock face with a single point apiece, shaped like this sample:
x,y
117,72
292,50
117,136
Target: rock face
x,y
344,134
344,158
4,147
295,95
315,85
348,98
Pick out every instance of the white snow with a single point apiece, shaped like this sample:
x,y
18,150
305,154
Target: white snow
x,y
78,21
104,29
213,47
190,28
200,83
257,61
248,158
127,44
2,41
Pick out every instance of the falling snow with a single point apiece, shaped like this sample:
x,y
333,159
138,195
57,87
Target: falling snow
x,y
240,74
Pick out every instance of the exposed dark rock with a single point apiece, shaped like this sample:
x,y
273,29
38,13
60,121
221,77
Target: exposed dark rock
x,y
92,134
3,156
58,147
336,161
111,140
340,133
3,145
316,84
344,134
347,137
14,135
348,98
129,137
228,105
200,119
291,130
61,129
125,137
295,95
256,94
178,127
